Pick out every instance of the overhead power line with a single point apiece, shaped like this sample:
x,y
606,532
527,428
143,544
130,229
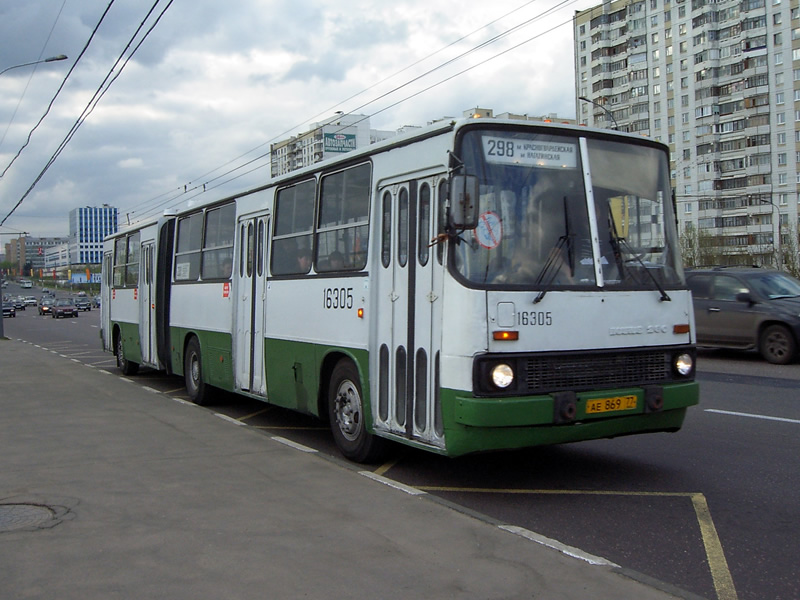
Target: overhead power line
x,y
206,186
99,93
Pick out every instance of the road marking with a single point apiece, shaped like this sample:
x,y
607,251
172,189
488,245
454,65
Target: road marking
x,y
385,467
752,416
149,389
723,582
286,428
291,444
393,484
229,419
717,564
556,545
255,414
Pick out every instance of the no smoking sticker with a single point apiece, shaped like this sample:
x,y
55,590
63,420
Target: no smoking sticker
x,y
489,231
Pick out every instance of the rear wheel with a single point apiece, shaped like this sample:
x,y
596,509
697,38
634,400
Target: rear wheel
x,y
193,374
126,366
347,417
777,345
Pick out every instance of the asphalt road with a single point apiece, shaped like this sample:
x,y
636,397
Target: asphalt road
x,y
712,509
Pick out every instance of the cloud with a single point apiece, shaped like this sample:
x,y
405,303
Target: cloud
x,y
214,81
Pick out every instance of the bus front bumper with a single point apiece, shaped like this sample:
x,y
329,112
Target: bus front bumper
x,y
480,424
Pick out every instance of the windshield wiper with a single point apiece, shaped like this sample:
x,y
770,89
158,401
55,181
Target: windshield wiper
x,y
624,244
548,273
555,252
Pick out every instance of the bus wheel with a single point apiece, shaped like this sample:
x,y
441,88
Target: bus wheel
x,y
346,412
126,366
193,374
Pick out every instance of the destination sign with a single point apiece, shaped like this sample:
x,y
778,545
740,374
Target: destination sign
x,y
530,153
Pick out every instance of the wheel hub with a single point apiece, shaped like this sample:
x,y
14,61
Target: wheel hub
x,y
348,414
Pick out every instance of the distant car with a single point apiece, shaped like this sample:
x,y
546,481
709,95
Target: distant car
x,y
30,301
747,308
64,307
96,301
18,302
9,310
46,306
83,304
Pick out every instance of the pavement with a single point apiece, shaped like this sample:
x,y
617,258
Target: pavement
x,y
109,490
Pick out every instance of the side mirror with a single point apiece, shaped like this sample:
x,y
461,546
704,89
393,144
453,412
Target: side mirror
x,y
745,297
464,194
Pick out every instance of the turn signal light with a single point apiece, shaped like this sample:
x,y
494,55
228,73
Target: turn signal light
x,y
682,328
505,336
360,313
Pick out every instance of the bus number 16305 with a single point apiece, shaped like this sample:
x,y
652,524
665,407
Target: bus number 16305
x,y
334,298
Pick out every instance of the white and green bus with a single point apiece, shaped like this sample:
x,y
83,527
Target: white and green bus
x,y
478,285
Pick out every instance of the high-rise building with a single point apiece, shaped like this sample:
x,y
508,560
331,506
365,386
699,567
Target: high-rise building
x,y
88,227
719,82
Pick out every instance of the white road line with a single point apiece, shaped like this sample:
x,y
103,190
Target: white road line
x,y
295,445
393,484
741,414
556,545
228,419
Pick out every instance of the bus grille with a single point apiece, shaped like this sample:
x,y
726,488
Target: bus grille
x,y
592,371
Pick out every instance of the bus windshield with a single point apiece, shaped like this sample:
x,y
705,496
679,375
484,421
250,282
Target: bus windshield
x,y
536,221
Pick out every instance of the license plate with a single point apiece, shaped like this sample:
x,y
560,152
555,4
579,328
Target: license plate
x,y
601,405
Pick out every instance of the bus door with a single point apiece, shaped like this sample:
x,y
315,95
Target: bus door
x,y
147,304
249,310
409,298
105,301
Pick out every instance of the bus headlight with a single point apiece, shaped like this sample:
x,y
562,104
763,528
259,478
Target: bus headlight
x,y
502,375
684,364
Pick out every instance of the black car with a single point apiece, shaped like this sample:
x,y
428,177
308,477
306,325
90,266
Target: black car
x,y
64,307
747,308
83,304
9,310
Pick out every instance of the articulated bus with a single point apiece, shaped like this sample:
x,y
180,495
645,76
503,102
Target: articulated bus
x,y
477,285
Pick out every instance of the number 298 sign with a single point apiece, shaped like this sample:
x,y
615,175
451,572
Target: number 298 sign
x,y
489,231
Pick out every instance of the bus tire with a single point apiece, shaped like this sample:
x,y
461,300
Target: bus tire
x,y
126,366
347,417
193,373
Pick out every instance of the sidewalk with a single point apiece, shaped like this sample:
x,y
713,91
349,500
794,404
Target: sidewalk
x,y
147,497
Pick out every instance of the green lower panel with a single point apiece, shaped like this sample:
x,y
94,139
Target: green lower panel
x,y
481,424
131,346
296,371
215,350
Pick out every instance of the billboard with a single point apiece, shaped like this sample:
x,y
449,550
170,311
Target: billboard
x,y
338,142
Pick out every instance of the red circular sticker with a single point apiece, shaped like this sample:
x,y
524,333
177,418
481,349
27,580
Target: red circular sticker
x,y
489,231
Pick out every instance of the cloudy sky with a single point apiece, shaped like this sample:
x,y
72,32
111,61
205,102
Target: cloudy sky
x,y
215,82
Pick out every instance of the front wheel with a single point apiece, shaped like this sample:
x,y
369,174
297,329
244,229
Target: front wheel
x,y
777,345
347,417
193,374
126,366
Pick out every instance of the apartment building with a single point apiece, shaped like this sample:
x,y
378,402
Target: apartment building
x,y
719,82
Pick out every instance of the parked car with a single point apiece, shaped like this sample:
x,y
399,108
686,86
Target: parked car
x,y
9,310
46,306
83,304
64,307
747,308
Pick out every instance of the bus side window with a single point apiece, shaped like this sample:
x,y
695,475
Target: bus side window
x,y
293,226
343,224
